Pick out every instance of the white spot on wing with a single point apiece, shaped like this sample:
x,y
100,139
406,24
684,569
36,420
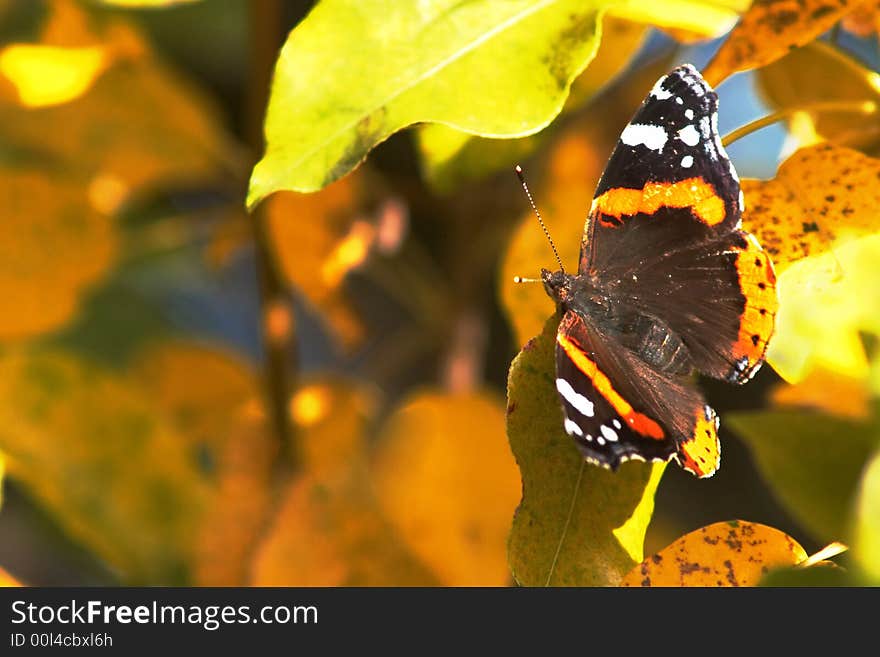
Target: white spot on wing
x,y
583,405
679,100
651,136
616,423
689,135
687,161
658,91
609,433
689,113
572,429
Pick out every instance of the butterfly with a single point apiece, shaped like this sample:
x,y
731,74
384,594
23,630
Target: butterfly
x,y
667,284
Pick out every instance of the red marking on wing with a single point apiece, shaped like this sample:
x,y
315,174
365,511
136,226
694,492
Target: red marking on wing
x,y
636,421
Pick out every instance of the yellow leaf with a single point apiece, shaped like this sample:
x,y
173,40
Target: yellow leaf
x,y
53,247
49,75
826,302
768,30
734,553
329,530
448,482
819,75
820,194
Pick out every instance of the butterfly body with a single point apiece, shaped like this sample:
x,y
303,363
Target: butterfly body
x,y
668,284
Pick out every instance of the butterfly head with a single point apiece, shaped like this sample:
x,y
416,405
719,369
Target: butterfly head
x,y
557,284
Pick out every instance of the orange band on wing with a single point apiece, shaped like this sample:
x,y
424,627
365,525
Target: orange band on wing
x,y
758,283
693,193
636,421
701,453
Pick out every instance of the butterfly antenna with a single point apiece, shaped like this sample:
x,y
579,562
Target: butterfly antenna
x,y
522,180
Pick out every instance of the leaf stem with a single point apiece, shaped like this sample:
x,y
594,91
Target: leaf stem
x,y
577,488
855,106
279,331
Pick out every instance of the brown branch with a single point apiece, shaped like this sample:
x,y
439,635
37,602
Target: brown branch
x,y
279,334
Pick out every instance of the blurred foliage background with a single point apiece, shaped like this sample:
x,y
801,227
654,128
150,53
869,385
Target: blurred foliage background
x,y
313,393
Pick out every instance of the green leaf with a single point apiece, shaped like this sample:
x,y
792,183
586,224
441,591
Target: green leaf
x,y
866,535
356,71
812,462
577,524
822,574
450,157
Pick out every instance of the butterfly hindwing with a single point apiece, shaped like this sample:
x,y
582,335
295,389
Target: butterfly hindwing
x,y
617,410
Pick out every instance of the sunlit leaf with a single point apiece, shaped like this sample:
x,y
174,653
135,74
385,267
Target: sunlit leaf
x,y
450,157
49,75
64,63
330,530
734,553
436,455
356,71
821,75
827,304
820,194
53,247
769,30
866,538
577,524
811,462
699,18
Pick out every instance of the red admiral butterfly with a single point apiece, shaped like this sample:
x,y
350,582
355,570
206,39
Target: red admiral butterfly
x,y
667,283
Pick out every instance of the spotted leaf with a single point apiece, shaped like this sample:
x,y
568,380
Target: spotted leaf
x,y
769,29
734,553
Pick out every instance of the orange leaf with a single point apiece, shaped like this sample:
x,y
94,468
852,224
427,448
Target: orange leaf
x,y
438,455
53,247
318,239
329,530
820,194
768,30
734,553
